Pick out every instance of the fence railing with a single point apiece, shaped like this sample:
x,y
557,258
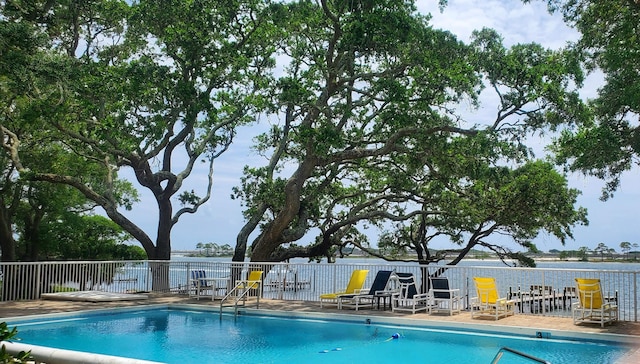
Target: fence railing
x,y
546,291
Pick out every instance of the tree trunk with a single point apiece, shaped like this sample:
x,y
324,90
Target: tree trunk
x,y
7,243
243,236
32,235
271,237
160,270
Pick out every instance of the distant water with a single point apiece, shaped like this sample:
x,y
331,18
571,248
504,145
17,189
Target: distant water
x,y
622,266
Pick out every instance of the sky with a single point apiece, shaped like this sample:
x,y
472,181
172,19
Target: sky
x,y
611,222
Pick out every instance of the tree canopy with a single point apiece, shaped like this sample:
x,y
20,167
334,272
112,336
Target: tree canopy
x,y
365,98
155,88
609,145
370,134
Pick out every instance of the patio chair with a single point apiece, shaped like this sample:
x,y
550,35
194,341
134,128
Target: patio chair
x,y
591,307
488,302
354,286
445,299
253,281
376,292
407,298
199,283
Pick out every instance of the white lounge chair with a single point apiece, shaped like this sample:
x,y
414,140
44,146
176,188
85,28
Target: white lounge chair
x,y
591,306
407,298
445,298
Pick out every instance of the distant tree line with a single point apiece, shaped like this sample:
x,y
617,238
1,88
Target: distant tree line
x,y
214,250
602,251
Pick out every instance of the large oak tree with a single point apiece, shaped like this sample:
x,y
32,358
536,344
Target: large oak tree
x,y
155,87
369,123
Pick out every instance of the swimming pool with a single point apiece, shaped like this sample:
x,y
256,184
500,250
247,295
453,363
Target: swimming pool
x,y
188,336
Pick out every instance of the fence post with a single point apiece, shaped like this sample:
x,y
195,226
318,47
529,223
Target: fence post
x,y
148,276
38,280
635,296
187,285
543,292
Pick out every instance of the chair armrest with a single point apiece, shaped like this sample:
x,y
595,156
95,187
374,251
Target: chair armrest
x,y
504,301
445,290
199,282
249,284
452,292
385,292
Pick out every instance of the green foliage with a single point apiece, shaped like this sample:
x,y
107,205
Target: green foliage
x,y
366,132
57,288
609,146
7,334
533,249
154,87
75,237
368,138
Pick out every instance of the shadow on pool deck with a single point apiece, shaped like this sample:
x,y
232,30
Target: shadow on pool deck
x,y
25,308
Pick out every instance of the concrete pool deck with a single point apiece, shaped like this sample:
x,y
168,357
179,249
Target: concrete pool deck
x,y
628,329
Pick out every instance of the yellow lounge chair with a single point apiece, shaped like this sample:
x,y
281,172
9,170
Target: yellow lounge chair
x,y
591,307
356,282
252,283
488,302
254,279
378,290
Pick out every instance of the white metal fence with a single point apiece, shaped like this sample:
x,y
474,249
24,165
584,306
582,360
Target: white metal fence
x,y
306,281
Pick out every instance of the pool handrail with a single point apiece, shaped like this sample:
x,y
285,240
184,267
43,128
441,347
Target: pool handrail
x,y
242,290
532,358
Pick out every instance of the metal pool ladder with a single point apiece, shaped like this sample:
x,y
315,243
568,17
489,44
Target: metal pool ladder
x,y
504,349
240,293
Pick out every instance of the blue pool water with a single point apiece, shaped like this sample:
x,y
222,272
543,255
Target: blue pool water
x,y
181,336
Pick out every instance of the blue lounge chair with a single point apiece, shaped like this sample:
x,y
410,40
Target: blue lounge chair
x,y
376,292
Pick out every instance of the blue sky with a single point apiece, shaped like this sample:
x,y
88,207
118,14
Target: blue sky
x,y
611,222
